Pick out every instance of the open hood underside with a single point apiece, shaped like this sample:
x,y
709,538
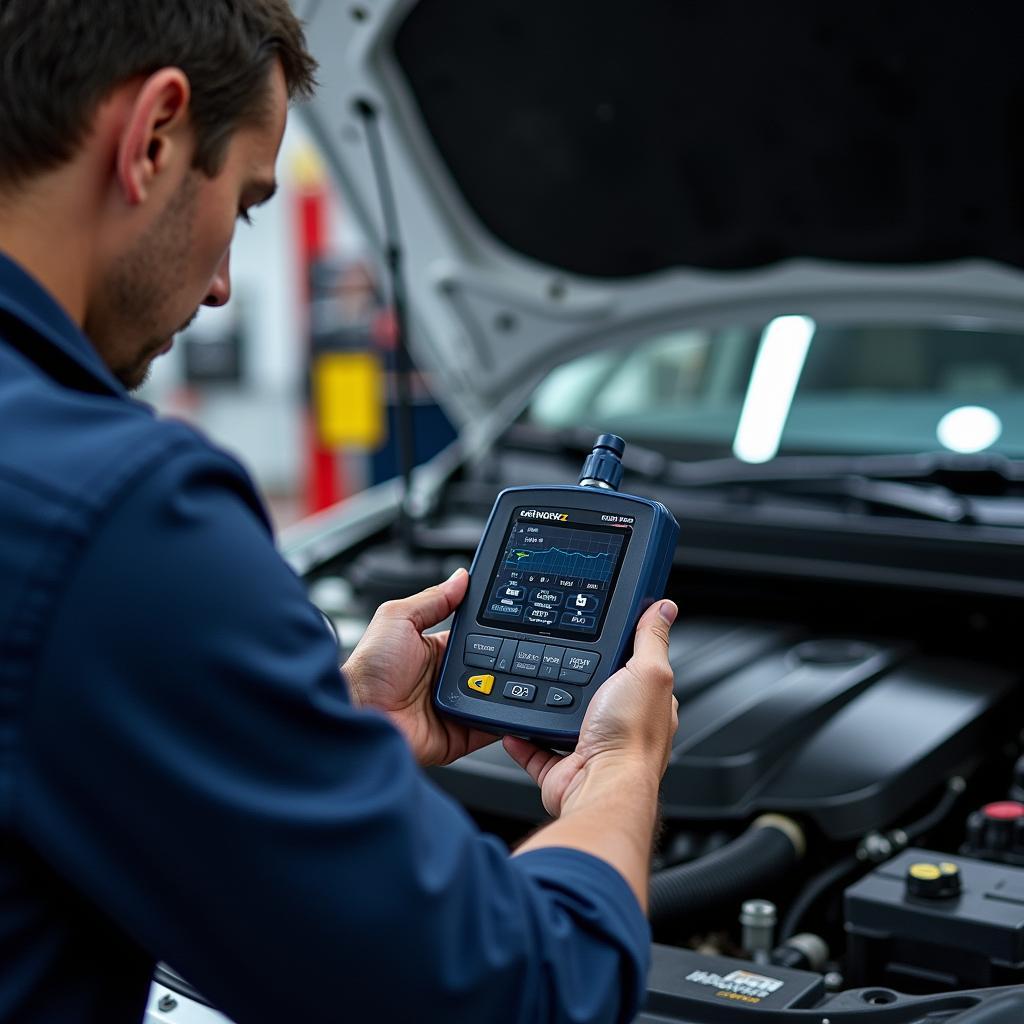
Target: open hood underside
x,y
584,173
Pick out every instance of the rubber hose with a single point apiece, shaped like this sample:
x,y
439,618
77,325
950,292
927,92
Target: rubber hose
x,y
832,875
761,854
813,891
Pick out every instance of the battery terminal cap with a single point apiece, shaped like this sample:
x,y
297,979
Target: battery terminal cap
x,y
933,880
996,829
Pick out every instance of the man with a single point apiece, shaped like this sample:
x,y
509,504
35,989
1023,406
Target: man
x,y
183,773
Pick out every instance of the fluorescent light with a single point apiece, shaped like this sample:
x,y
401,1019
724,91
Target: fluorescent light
x,y
971,428
773,382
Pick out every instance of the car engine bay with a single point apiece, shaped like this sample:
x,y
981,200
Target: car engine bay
x,y
843,811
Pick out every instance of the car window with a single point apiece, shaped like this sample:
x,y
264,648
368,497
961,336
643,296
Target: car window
x,y
793,386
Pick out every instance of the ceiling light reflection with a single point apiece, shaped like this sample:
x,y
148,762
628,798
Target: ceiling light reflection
x,y
969,429
773,382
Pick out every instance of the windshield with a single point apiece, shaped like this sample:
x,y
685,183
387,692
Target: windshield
x,y
792,386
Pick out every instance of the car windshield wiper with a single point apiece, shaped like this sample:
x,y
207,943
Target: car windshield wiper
x,y
981,489
985,489
983,473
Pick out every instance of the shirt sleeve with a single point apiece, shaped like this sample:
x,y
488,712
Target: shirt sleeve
x,y
193,766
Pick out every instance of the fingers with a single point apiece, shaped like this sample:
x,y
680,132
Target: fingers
x,y
430,606
477,740
534,761
650,647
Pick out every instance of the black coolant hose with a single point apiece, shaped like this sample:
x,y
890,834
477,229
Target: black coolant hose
x,y
771,846
868,856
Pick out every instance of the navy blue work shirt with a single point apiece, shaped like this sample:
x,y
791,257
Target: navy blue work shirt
x,y
184,778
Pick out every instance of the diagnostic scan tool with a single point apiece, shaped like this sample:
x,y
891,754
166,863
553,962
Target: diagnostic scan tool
x,y
560,578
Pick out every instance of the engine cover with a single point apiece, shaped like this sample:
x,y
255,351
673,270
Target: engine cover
x,y
847,732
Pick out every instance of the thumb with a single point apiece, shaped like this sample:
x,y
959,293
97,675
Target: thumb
x,y
651,643
430,606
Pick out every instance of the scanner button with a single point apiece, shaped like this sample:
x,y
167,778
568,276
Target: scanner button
x,y
528,659
580,602
558,698
520,691
506,655
576,621
580,661
479,661
482,684
551,662
501,610
576,678
478,644
541,617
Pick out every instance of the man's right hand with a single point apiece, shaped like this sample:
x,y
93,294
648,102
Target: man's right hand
x,y
605,793
628,727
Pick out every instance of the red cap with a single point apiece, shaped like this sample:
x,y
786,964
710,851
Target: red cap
x,y
1004,810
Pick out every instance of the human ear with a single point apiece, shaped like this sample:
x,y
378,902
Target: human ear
x,y
153,138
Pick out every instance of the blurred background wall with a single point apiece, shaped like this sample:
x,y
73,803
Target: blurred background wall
x,y
294,375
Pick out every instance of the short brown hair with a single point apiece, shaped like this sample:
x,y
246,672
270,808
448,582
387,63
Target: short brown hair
x,y
60,58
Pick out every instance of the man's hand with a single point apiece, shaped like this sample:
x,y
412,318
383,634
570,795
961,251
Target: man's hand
x,y
394,668
628,727
605,793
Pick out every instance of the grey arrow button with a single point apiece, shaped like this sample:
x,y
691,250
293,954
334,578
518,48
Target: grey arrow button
x,y
558,698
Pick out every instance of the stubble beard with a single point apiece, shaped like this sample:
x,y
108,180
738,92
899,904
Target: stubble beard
x,y
140,291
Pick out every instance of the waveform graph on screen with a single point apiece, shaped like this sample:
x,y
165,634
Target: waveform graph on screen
x,y
584,554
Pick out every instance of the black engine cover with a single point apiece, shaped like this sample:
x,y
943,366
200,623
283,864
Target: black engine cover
x,y
847,732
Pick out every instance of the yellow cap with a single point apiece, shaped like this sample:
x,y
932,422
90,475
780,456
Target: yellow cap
x,y
924,871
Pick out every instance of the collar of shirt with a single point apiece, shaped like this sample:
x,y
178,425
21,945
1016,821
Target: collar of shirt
x,y
26,301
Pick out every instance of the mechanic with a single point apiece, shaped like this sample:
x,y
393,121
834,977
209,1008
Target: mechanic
x,y
184,774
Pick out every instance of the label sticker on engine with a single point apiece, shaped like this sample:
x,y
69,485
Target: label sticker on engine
x,y
740,986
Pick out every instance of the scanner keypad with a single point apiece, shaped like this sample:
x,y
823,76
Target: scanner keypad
x,y
528,660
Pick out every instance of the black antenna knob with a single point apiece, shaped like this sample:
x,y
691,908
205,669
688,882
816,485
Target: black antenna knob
x,y
603,466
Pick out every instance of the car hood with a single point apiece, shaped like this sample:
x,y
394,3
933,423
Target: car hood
x,y
585,173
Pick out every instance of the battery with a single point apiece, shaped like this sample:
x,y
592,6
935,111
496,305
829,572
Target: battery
x,y
930,922
681,978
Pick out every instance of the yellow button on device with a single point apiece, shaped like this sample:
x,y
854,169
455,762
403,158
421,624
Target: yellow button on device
x,y
482,684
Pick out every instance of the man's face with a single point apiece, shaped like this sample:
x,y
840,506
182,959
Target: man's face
x,y
154,288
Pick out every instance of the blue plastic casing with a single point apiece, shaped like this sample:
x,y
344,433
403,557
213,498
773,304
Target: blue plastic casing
x,y
640,580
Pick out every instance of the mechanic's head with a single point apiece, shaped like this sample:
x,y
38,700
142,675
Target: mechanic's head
x,y
134,134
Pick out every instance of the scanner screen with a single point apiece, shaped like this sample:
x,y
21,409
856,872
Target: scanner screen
x,y
556,572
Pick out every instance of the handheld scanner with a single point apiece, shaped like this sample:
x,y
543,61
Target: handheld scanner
x,y
559,580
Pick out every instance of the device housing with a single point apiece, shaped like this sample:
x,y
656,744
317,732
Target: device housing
x,y
640,579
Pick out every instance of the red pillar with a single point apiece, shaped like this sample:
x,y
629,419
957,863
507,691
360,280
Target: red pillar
x,y
324,478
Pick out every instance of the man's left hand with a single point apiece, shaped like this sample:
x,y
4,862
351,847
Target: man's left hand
x,y
394,668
